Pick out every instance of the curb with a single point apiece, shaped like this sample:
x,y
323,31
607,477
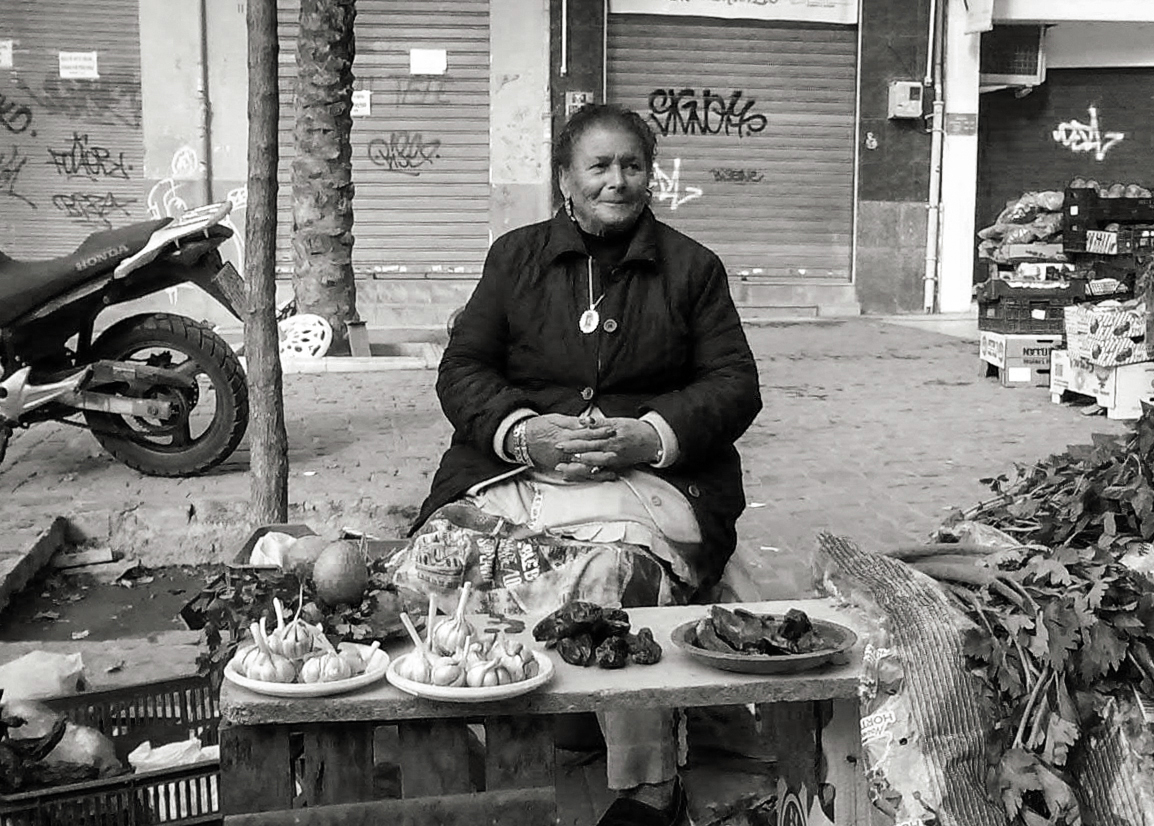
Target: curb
x,y
417,357
18,566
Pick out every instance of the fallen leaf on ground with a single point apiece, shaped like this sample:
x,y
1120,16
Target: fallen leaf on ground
x,y
46,615
79,635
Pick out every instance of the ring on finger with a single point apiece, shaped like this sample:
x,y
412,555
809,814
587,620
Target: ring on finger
x,y
594,469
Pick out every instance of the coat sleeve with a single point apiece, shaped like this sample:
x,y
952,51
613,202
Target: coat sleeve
x,y
722,397
471,384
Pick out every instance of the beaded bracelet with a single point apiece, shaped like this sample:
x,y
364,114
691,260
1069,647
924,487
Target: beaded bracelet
x,y
521,445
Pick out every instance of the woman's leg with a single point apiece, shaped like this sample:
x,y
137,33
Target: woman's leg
x,y
641,747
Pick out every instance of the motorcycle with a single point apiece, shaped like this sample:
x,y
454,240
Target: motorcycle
x,y
162,393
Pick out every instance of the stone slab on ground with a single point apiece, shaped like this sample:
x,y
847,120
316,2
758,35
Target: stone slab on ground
x,y
24,551
158,656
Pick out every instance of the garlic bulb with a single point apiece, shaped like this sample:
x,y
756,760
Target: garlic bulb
x,y
446,671
269,666
310,671
243,658
357,661
416,665
451,632
484,674
413,666
274,639
296,638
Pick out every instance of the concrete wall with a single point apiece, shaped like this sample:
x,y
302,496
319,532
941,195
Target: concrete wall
x,y
894,165
519,114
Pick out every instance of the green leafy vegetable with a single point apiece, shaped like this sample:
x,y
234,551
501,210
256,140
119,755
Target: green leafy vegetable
x,y
1062,624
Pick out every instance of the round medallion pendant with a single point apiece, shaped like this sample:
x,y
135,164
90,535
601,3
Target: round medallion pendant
x,y
589,321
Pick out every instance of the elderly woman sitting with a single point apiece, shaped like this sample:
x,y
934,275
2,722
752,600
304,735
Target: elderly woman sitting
x,y
596,381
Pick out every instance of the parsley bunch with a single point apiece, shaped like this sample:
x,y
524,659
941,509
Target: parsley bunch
x,y
1062,626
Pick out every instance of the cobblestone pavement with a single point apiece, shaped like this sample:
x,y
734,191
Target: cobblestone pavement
x,y
871,429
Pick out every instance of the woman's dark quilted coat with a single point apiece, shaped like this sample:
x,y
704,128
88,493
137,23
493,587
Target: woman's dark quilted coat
x,y
670,340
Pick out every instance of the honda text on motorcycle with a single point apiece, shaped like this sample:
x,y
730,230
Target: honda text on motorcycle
x,y
162,393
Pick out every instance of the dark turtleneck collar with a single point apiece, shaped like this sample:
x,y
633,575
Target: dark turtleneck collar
x,y
639,245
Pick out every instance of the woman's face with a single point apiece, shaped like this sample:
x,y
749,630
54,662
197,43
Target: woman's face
x,y
607,180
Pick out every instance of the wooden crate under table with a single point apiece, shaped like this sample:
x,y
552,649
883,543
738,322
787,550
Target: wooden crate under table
x,y
315,756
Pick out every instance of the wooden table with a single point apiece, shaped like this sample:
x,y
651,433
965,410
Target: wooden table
x,y
314,756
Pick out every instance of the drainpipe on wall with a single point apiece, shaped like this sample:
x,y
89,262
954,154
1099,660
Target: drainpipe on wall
x,y
202,97
933,80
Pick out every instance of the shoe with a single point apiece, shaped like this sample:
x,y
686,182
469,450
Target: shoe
x,y
625,811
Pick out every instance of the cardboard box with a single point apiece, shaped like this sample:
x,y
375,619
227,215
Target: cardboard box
x,y
1074,375
1106,335
1004,350
1125,388
1121,390
1021,361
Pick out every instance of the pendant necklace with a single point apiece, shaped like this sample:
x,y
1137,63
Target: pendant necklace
x,y
590,318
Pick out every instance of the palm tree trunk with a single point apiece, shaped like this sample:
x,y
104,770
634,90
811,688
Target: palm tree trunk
x,y
268,479
322,168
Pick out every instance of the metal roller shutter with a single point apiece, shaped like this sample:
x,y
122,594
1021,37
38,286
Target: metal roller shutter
x,y
71,150
755,126
421,157
1085,122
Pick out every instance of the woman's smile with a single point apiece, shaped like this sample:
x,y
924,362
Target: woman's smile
x,y
607,180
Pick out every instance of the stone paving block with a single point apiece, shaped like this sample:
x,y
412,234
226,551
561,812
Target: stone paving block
x,y
24,552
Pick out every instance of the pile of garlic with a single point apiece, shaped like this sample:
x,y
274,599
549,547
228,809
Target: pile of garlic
x,y
451,656
297,652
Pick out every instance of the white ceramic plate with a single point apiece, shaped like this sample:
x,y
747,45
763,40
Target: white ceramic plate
x,y
378,664
463,694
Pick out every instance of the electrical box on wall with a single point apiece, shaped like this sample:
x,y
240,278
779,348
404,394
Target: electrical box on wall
x,y
905,99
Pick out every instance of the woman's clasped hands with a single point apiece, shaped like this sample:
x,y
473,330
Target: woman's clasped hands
x,y
590,448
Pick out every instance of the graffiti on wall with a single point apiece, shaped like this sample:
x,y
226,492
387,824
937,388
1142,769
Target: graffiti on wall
x,y
685,112
1087,137
736,176
420,90
15,115
404,152
11,165
92,208
102,100
165,199
83,159
669,186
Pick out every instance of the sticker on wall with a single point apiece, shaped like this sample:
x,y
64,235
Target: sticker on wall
x,y
575,100
79,65
961,123
362,103
428,61
5,54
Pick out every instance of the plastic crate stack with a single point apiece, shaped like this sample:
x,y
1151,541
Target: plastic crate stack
x,y
160,712
1030,282
1109,231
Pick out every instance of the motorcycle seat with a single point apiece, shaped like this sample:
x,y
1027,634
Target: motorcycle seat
x,y
25,285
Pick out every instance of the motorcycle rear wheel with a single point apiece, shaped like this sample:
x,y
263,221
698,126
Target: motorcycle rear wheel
x,y
208,422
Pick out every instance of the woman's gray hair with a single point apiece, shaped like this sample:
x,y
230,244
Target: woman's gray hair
x,y
602,114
